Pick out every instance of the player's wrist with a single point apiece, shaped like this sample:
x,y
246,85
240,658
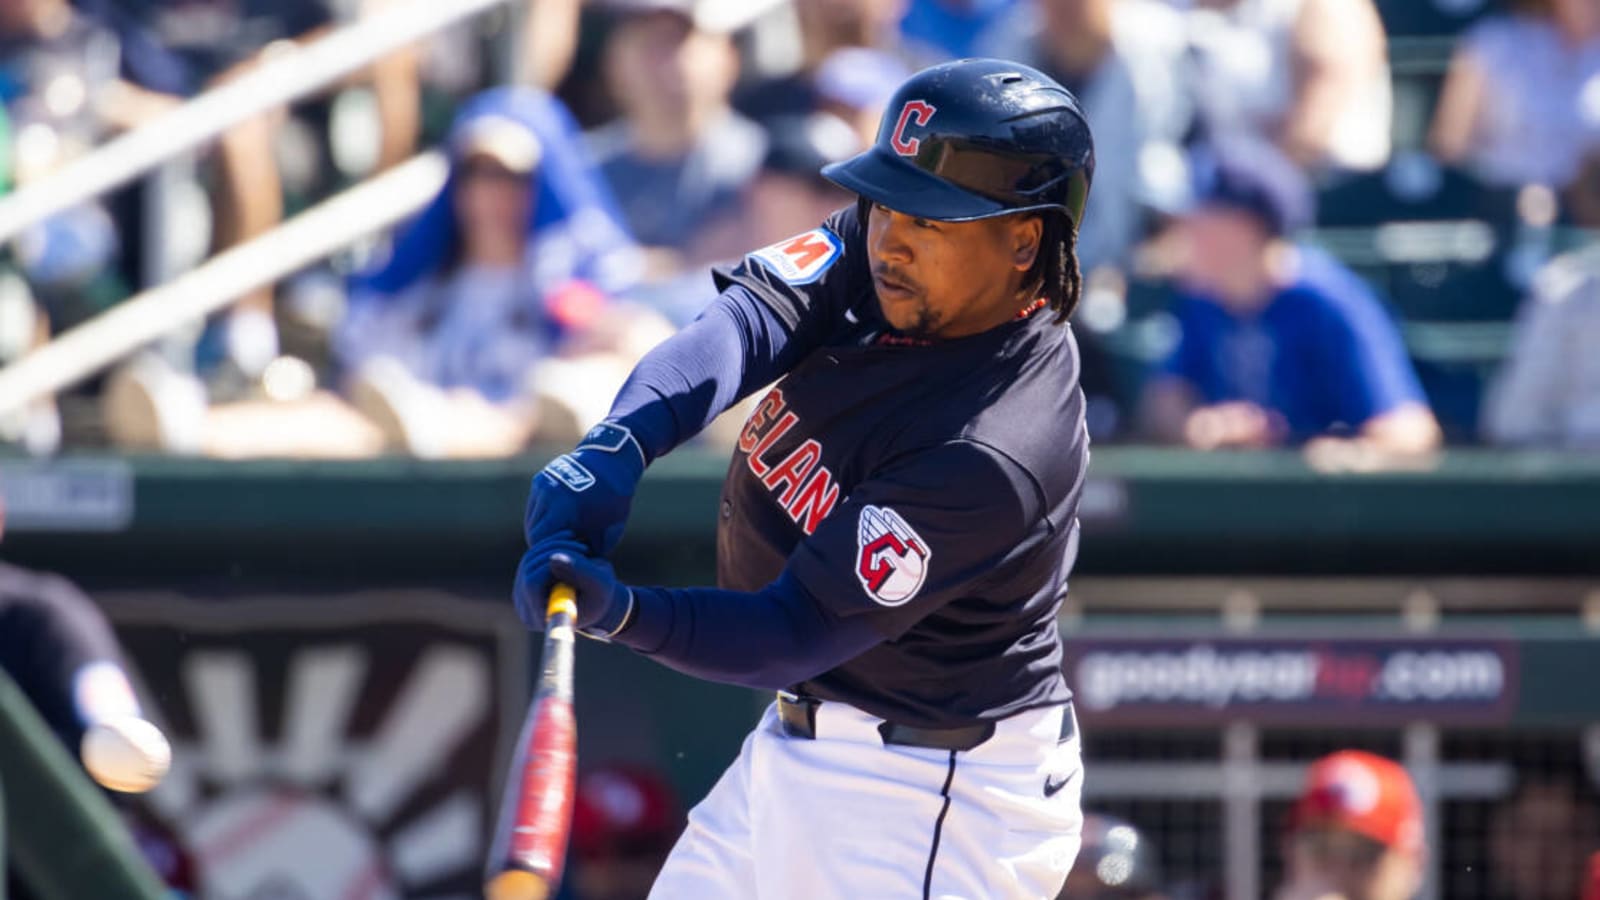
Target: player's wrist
x,y
649,621
611,625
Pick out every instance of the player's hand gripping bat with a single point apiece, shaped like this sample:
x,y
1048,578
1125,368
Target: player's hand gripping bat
x,y
530,840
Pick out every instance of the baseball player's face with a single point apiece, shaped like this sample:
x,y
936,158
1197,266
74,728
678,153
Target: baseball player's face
x,y
950,279
1341,863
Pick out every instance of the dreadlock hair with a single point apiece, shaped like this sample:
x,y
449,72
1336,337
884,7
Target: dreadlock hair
x,y
1054,273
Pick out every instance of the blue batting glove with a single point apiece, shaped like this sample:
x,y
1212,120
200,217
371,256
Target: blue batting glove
x,y
587,492
531,591
604,603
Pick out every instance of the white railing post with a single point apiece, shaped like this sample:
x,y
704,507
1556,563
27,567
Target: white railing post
x,y
279,80
337,222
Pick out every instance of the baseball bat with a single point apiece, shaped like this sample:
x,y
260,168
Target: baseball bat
x,y
530,840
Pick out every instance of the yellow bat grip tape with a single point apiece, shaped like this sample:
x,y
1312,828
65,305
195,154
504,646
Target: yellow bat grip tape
x,y
562,599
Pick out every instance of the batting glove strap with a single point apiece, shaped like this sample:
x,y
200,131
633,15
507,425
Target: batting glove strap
x,y
613,437
598,631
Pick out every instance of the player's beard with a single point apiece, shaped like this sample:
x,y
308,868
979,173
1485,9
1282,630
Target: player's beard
x,y
927,323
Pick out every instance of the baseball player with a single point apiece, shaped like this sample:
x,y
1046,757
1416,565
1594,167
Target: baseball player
x,y
1355,832
898,520
58,647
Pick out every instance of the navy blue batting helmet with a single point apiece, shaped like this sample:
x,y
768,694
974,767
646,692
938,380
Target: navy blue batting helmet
x,y
976,138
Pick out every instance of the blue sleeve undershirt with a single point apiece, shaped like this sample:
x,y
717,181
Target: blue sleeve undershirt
x,y
767,640
734,348
779,635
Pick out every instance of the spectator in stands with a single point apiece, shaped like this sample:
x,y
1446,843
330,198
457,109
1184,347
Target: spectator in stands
x,y
1355,833
1548,393
1074,42
186,46
1541,838
486,323
1278,343
1310,76
23,326
951,28
1520,104
62,93
1115,862
510,268
550,34
828,27
789,195
678,154
1591,885
855,84
625,820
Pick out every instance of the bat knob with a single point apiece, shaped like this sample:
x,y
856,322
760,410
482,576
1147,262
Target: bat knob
x,y
516,885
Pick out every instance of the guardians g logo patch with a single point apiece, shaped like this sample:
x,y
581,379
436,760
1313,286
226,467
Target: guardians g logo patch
x,y
892,560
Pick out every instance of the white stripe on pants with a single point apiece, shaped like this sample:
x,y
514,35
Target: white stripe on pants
x,y
844,816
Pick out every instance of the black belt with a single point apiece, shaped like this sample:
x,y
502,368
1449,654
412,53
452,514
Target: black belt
x,y
798,717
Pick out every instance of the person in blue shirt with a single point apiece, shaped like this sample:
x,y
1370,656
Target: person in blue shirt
x,y
951,27
1279,343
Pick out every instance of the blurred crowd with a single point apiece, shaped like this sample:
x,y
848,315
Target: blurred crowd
x,y
1355,227
1356,830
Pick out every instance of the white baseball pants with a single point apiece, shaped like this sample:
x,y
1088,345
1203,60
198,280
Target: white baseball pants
x,y
845,817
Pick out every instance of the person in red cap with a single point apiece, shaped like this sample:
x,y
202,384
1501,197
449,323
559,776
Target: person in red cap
x,y
1541,836
625,820
1355,833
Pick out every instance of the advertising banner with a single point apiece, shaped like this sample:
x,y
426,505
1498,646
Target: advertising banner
x,y
1318,681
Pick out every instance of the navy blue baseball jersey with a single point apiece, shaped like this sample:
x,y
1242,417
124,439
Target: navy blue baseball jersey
x,y
929,485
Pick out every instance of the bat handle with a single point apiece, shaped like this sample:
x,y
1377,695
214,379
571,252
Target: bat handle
x,y
563,599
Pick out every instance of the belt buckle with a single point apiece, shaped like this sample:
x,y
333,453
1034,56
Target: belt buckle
x,y
797,715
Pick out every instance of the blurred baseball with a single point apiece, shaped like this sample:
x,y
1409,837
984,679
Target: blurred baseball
x,y
126,754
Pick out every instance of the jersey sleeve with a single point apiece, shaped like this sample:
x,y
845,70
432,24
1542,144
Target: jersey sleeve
x,y
808,280
927,530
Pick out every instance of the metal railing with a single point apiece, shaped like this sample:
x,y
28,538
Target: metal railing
x,y
377,204
281,79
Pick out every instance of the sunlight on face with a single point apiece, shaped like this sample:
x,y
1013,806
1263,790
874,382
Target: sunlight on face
x,y
949,279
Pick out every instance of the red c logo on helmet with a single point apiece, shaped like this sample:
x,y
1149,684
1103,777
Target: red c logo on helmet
x,y
914,109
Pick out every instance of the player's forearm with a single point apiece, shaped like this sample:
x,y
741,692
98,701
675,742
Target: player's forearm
x,y
768,640
736,346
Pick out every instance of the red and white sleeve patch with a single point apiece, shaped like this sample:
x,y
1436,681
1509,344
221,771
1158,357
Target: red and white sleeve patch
x,y
892,559
801,259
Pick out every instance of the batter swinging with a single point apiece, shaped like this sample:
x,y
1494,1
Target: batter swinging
x,y
898,521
